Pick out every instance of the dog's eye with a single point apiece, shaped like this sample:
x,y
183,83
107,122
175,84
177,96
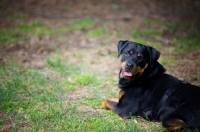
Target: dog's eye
x,y
127,54
139,56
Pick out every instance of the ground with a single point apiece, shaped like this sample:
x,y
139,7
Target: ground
x,y
72,45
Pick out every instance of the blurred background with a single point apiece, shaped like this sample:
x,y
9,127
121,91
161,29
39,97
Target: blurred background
x,y
31,28
65,40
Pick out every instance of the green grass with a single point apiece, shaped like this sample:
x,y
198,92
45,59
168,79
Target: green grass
x,y
8,35
189,40
175,26
58,65
165,60
96,32
62,30
81,24
36,28
83,79
184,36
38,101
32,100
22,30
145,33
16,16
91,102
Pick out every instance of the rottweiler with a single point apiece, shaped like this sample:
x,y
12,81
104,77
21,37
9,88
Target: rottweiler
x,y
148,92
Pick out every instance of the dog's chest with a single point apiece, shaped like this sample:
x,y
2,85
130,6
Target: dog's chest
x,y
141,99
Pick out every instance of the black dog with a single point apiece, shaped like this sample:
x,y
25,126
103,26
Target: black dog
x,y
148,92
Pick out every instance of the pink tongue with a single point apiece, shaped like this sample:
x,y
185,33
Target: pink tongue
x,y
128,74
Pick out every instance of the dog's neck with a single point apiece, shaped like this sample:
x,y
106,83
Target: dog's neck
x,y
148,74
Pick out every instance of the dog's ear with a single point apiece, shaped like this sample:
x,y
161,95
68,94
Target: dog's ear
x,y
154,54
121,46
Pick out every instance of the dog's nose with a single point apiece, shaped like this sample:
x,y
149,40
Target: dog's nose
x,y
128,65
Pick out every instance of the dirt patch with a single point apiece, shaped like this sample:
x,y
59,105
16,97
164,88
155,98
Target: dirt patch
x,y
7,122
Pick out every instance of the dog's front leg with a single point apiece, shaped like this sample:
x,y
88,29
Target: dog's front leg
x,y
114,104
110,104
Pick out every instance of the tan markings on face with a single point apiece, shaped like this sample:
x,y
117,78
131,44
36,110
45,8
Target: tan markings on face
x,y
141,70
138,55
123,67
121,93
131,52
120,75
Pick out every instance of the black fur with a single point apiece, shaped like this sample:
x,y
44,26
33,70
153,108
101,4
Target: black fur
x,y
142,95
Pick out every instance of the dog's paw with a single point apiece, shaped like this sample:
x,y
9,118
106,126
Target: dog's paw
x,y
103,105
110,104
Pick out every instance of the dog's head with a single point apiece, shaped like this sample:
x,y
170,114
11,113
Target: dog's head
x,y
136,58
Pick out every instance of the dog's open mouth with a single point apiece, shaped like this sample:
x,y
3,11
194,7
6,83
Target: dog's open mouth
x,y
126,73
129,75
